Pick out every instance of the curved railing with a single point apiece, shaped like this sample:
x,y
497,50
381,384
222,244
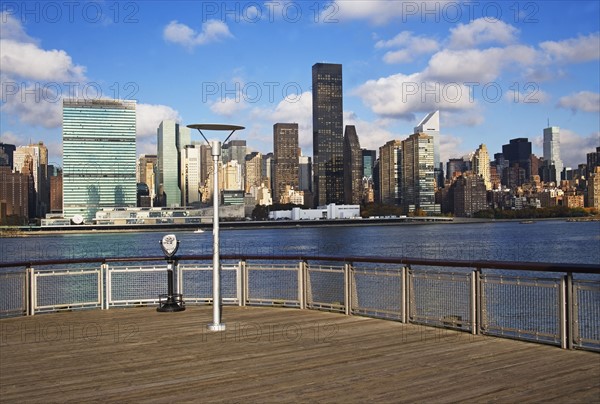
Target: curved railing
x,y
544,302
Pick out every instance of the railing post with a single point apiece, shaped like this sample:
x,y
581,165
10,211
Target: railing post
x,y
108,289
245,284
179,278
241,269
29,290
475,301
570,312
302,284
33,291
347,288
406,290
102,277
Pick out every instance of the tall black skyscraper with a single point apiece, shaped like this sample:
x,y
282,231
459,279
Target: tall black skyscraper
x,y
352,167
6,154
328,134
518,154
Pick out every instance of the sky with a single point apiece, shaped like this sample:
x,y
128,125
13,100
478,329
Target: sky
x,y
495,70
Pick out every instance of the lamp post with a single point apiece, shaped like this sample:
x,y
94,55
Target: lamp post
x,y
216,325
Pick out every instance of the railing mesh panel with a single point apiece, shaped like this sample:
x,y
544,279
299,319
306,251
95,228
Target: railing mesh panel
x,y
377,293
197,283
587,312
326,288
441,299
13,297
67,288
520,307
275,284
137,284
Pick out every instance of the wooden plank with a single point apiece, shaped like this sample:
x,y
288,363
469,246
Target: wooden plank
x,y
274,355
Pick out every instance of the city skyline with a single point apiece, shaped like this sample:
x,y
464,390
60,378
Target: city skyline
x,y
399,64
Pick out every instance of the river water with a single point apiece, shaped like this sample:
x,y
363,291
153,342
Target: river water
x,y
543,241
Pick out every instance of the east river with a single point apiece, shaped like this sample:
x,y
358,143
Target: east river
x,y
556,241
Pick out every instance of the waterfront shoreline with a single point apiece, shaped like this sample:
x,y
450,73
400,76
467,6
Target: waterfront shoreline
x,y
283,224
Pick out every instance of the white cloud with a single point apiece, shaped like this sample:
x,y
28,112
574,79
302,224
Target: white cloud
x,y
181,34
371,135
149,116
12,138
400,96
585,101
481,31
228,106
574,147
573,50
528,94
50,65
32,105
298,110
411,46
11,28
451,147
474,65
381,12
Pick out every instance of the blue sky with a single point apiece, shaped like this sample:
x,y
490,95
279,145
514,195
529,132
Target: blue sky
x,y
495,70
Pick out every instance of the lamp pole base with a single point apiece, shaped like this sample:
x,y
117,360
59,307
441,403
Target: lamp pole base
x,y
215,327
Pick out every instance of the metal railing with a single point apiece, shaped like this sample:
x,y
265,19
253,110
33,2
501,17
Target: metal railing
x,y
549,303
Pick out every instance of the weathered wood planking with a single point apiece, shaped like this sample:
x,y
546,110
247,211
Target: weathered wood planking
x,y
275,355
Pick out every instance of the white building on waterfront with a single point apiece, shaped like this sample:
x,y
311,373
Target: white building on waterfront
x,y
330,212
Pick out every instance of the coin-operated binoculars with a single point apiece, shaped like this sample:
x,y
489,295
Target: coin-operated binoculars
x,y
171,301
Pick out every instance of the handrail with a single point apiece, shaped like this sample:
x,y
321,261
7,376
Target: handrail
x,y
484,264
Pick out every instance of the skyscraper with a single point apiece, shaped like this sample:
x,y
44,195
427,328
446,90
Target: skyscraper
x,y
267,170
418,183
6,154
171,140
36,157
518,155
191,160
253,171
14,196
552,152
480,164
390,173
99,156
469,195
305,176
286,169
593,159
368,162
146,172
236,150
352,167
328,136
430,125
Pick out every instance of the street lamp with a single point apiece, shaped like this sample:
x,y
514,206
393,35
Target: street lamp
x,y
216,325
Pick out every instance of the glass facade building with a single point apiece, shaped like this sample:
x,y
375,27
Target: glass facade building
x,y
286,173
328,134
418,182
172,139
99,156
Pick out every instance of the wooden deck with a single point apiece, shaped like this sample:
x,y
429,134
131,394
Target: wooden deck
x,y
276,355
